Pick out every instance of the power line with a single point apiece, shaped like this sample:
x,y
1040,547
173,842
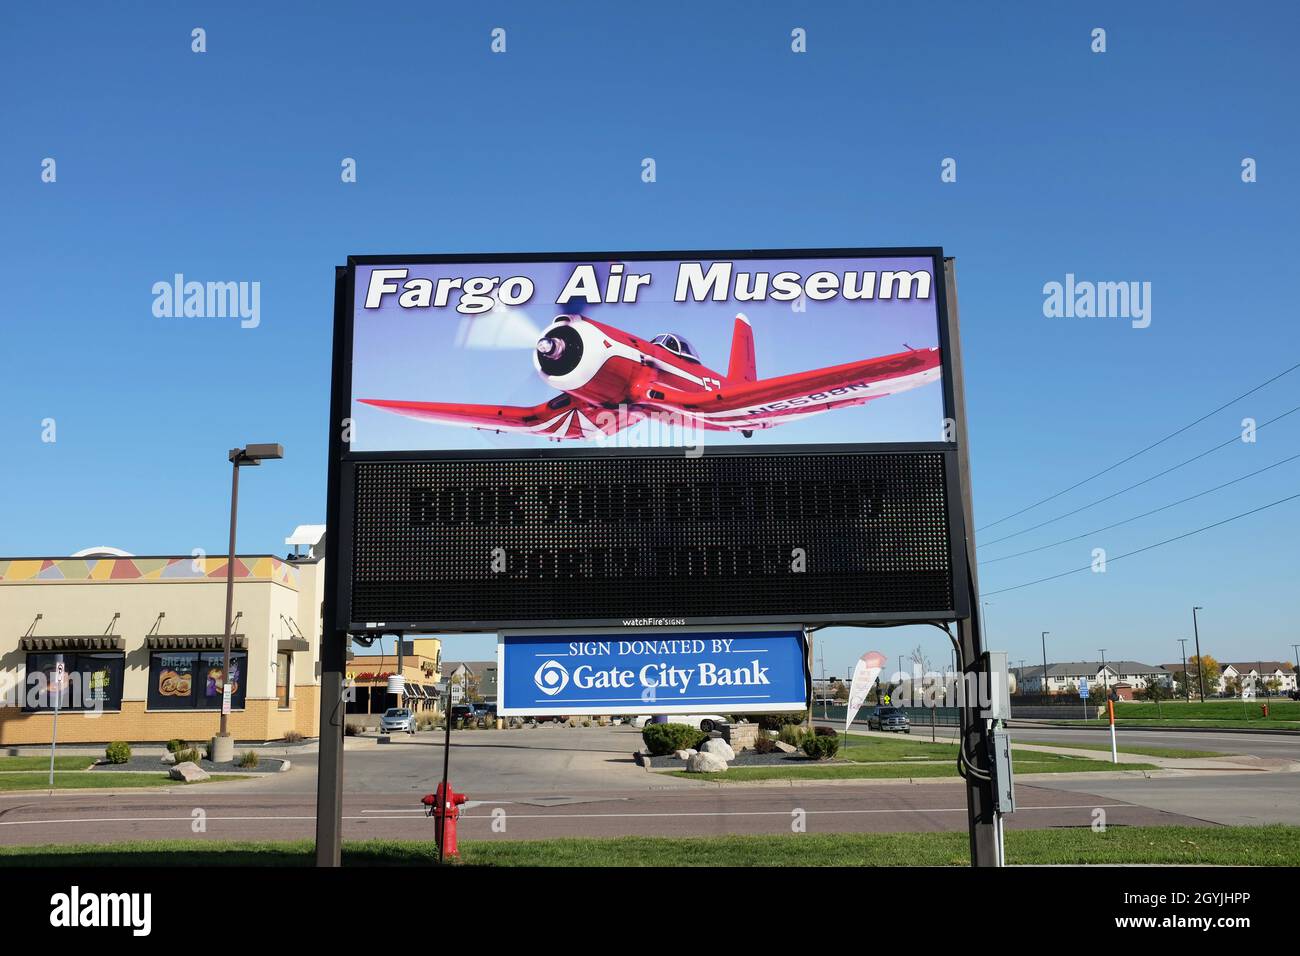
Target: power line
x,y
1129,554
1116,494
1125,461
1145,514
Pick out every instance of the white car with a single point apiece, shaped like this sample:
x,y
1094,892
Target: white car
x,y
704,722
396,720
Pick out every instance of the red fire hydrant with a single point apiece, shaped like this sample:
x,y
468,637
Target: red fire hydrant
x,y
445,813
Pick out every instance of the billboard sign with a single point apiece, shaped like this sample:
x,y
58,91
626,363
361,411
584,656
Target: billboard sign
x,y
634,353
672,671
645,439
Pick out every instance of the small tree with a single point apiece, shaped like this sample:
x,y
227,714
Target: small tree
x,y
1204,665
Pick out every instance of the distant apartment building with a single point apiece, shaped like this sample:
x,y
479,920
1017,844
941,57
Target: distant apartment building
x,y
1124,677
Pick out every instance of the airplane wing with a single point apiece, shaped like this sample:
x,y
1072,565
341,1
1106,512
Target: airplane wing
x,y
748,405
560,418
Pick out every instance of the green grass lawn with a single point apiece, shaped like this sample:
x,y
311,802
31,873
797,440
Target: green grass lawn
x,y
1173,724
1127,748
884,758
1220,846
43,763
98,780
1278,709
1025,761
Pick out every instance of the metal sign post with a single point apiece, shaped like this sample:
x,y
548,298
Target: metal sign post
x,y
57,689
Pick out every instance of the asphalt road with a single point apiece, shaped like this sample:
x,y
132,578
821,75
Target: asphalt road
x,y
564,782
198,813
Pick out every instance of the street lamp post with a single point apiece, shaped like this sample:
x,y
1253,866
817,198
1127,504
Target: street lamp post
x,y
1187,687
1105,684
1042,684
1200,662
223,748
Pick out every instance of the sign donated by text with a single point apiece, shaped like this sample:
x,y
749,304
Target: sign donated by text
x,y
671,671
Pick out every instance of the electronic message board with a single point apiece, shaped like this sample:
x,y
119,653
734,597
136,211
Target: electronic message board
x,y
653,439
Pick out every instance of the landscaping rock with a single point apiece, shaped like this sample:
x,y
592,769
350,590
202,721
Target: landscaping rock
x,y
705,763
784,747
169,757
719,748
189,771
686,754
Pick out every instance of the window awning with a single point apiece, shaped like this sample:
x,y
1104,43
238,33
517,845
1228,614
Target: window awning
x,y
194,642
293,645
74,642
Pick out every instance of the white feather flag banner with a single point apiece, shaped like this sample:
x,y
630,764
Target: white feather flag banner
x,y
865,672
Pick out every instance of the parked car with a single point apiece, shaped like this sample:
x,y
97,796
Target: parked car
x,y
704,722
891,719
463,712
397,720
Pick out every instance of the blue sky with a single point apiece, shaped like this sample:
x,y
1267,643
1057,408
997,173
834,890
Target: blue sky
x,y
224,166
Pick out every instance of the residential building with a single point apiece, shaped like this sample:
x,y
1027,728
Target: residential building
x,y
1126,677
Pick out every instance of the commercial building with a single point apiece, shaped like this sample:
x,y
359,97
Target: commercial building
x,y
140,642
420,666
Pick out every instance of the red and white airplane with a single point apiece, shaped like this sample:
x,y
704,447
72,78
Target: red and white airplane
x,y
610,380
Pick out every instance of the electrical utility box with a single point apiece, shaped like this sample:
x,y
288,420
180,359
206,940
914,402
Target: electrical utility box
x,y
995,700
1004,794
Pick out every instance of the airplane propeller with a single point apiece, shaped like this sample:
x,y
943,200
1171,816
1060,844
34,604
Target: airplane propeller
x,y
501,327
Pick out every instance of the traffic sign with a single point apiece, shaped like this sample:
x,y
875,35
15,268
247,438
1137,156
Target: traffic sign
x,y
1083,687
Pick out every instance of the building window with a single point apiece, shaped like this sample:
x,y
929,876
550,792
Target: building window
x,y
188,680
94,681
283,664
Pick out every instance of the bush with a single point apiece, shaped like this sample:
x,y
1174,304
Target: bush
x,y
119,751
663,739
352,730
792,734
190,755
821,748
763,744
291,737
825,732
247,759
176,744
777,721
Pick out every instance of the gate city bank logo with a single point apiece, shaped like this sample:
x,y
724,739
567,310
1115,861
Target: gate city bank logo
x,y
551,678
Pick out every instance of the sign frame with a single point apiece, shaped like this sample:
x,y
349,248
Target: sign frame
x,y
343,462
627,633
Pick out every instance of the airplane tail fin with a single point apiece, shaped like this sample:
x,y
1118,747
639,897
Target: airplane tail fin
x,y
743,367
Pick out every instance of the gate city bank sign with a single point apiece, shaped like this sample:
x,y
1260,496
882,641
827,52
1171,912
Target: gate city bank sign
x,y
678,671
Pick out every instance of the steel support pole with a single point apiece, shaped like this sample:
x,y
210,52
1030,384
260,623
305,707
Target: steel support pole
x,y
984,844
334,642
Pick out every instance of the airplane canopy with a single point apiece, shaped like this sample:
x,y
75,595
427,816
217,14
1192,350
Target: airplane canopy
x,y
677,345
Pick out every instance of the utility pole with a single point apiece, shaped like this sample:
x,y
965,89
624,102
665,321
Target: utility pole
x,y
1042,685
1187,687
1105,684
1200,663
